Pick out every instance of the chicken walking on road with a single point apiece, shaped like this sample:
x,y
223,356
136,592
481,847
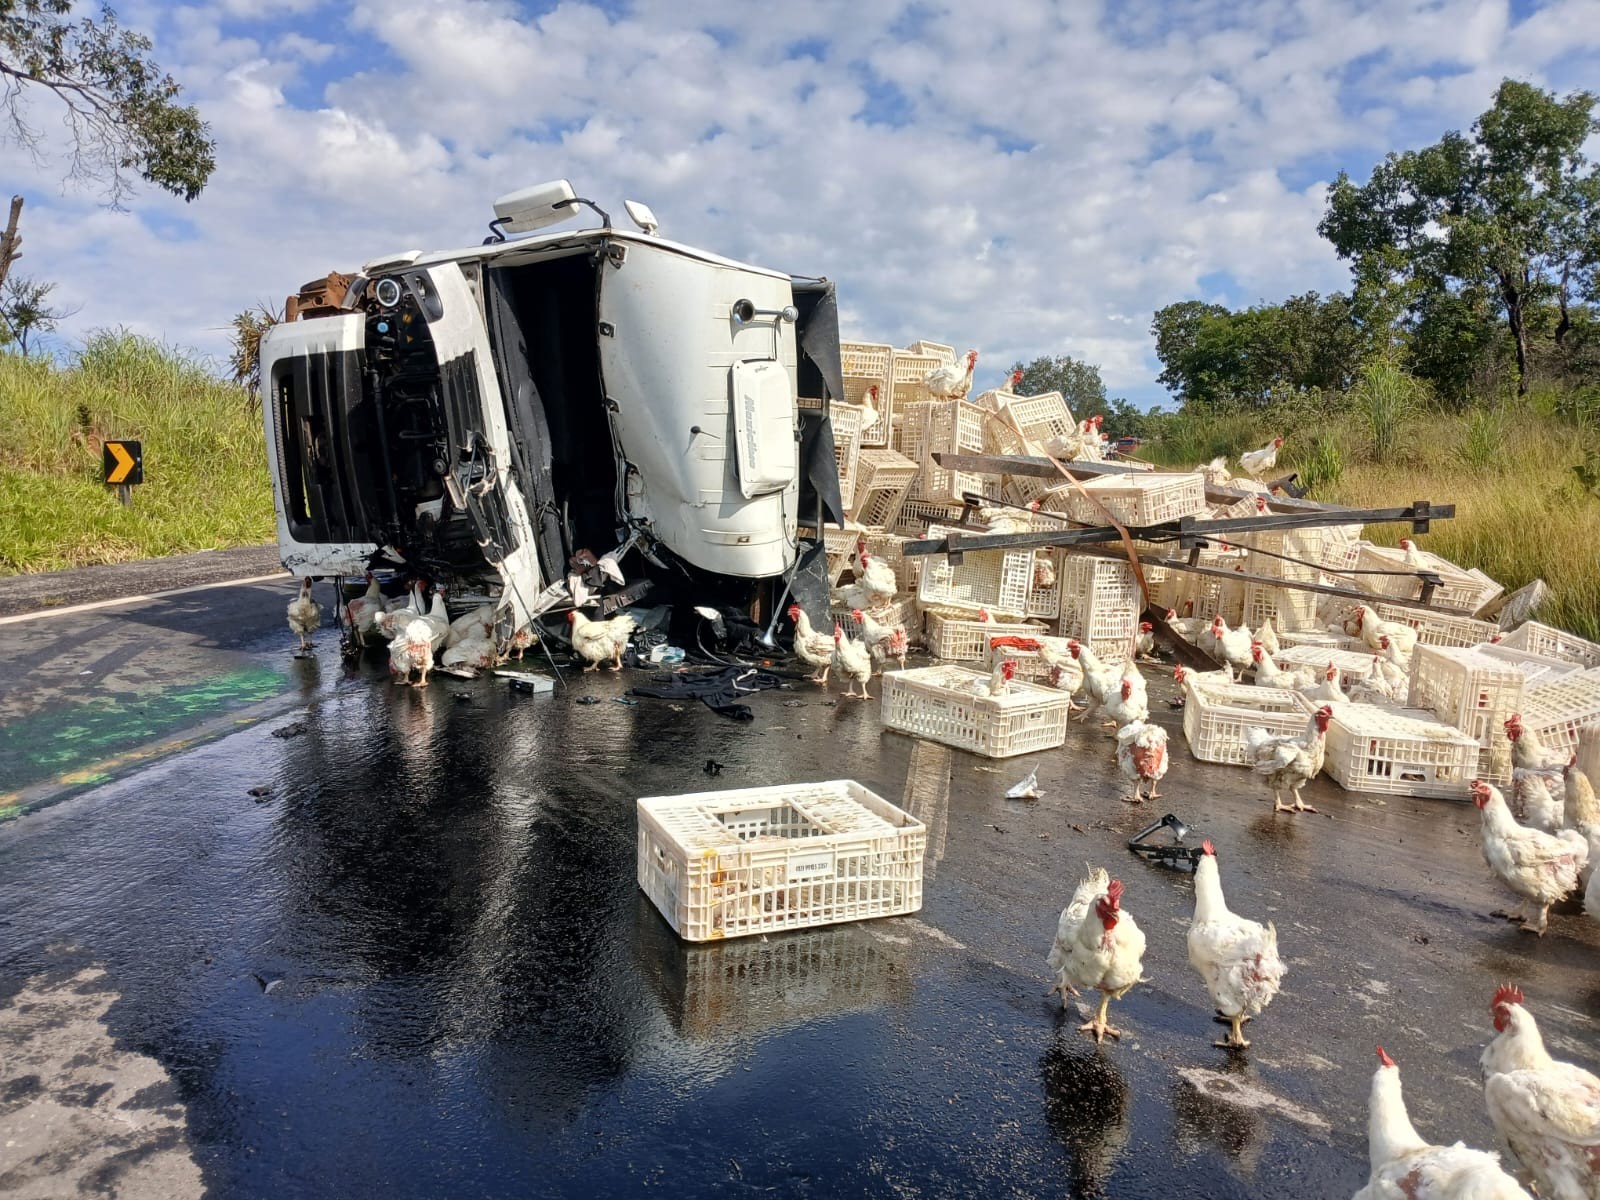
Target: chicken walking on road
x,y
1097,945
598,641
305,615
1289,763
1541,868
1142,755
852,660
1236,957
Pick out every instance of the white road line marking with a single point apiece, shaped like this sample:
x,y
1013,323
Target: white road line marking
x,y
183,591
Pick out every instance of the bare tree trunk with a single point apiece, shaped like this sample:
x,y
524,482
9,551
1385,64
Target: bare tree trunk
x,y
10,241
1561,300
1512,296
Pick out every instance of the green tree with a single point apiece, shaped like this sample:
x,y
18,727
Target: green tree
x,y
244,357
1079,382
26,313
121,111
1510,210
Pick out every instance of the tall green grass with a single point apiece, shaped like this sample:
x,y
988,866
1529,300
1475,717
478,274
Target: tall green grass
x,y
206,484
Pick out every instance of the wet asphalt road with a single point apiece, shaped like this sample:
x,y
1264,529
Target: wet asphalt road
x,y
476,1000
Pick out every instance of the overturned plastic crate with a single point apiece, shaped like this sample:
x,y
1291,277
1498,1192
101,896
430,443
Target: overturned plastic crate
x,y
1100,602
1398,751
839,546
1325,638
908,376
1459,589
944,427
1217,716
1139,497
1438,628
916,517
1206,596
1475,688
937,350
956,638
997,580
1557,710
901,610
847,420
883,480
1289,610
1551,642
868,365
758,860
890,547
1027,650
1040,419
1351,664
943,704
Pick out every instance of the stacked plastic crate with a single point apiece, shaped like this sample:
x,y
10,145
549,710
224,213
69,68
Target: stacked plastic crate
x,y
1100,605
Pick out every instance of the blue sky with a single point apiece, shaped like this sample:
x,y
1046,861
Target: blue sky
x,y
1025,179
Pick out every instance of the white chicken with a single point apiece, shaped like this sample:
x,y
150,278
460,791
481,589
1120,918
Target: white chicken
x,y
1099,946
1581,812
852,661
1191,629
305,615
1546,1111
1375,687
1128,701
1289,763
475,653
1393,665
1403,1165
999,681
411,651
1327,690
1267,635
1236,957
1142,755
1270,674
950,382
1064,671
883,641
1259,462
1366,625
599,641
811,647
1541,868
477,625
1533,803
1098,679
362,611
1232,646
1528,752
1182,675
875,575
1144,646
438,619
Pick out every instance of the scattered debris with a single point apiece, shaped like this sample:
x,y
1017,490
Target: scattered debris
x,y
588,700
266,985
290,731
1026,789
712,767
262,793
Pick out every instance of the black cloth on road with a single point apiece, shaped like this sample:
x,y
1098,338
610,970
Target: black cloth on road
x,y
718,690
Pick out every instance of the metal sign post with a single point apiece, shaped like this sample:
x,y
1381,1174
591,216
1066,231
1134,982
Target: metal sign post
x,y
123,462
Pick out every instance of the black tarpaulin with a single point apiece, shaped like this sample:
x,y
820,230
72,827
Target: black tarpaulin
x,y
817,333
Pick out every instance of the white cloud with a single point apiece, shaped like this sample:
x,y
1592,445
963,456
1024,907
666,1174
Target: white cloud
x,y
1052,174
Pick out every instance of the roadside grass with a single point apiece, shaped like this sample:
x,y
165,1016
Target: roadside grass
x,y
1521,514
206,483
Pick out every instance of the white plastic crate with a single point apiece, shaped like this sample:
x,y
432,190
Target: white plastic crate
x,y
1311,549
1437,628
994,579
1552,643
1474,692
1040,419
1460,589
902,610
1321,637
1142,498
1030,662
1351,664
1205,596
839,545
1557,710
1290,611
1399,751
962,639
758,860
847,421
938,350
1100,601
909,373
942,704
1216,716
916,517
868,365
890,547
1044,601
944,427
883,479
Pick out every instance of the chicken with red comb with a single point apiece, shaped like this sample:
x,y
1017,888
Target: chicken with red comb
x,y
1097,945
1546,1111
1404,1165
1539,867
1236,957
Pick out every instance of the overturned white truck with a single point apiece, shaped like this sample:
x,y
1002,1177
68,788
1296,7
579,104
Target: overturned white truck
x,y
478,417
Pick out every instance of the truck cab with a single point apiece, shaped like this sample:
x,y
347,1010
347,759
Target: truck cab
x,y
478,417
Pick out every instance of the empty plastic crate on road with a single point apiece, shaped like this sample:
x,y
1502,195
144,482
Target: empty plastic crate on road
x,y
994,579
942,704
868,365
962,639
1475,690
759,860
1552,643
1398,751
1460,589
1139,498
1217,715
1438,628
1351,664
1557,710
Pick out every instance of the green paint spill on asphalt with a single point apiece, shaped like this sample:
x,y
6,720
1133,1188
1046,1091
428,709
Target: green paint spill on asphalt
x,y
60,740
